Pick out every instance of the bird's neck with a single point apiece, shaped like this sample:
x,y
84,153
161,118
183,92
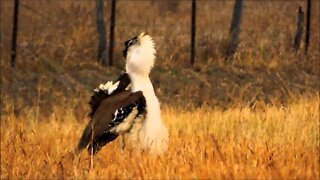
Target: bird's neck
x,y
142,83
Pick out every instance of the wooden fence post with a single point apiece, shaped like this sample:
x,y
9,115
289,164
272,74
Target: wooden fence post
x,y
14,33
102,52
235,27
299,31
193,30
308,26
112,26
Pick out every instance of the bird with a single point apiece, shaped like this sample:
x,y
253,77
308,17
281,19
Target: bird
x,y
128,105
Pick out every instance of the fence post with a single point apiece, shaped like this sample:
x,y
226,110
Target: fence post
x,y
14,33
193,30
235,27
299,31
308,26
101,32
112,26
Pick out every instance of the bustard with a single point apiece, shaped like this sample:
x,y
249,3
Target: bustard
x,y
128,106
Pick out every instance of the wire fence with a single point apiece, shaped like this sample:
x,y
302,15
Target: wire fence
x,y
188,24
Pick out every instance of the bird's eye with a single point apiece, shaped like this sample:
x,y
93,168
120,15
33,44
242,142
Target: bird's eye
x,y
130,43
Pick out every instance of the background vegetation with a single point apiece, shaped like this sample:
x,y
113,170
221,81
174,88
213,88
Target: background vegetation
x,y
254,116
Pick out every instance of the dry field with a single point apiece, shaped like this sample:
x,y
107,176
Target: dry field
x,y
272,143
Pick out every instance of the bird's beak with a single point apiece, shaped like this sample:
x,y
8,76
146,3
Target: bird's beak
x,y
141,35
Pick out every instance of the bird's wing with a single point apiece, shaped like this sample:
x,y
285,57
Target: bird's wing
x,y
107,90
124,82
114,116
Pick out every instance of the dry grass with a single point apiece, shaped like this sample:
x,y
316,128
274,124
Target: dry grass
x,y
204,143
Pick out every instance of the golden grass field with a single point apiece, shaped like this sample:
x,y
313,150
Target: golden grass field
x,y
253,117
238,143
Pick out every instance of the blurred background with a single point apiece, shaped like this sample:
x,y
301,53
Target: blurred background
x,y
57,64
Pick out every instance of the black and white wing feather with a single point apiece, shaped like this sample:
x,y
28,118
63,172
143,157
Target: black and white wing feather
x,y
106,90
115,115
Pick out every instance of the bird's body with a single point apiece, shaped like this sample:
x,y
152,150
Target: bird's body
x,y
136,112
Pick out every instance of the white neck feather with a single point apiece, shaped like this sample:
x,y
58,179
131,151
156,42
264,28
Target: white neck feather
x,y
143,83
153,134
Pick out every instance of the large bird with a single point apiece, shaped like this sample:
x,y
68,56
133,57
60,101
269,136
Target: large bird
x,y
115,110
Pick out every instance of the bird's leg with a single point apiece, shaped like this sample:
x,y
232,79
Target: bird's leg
x,y
76,162
122,142
91,154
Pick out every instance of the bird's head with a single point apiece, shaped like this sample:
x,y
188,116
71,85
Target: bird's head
x,y
139,53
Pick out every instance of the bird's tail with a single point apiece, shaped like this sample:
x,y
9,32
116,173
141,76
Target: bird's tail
x,y
98,143
85,138
93,144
